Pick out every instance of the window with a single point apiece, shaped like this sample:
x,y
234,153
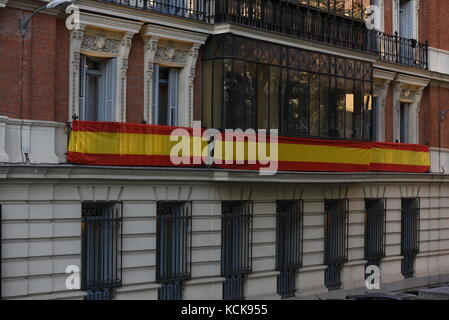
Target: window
x,y
236,243
336,240
254,84
404,122
101,248
406,19
173,257
409,235
165,96
97,88
289,234
374,230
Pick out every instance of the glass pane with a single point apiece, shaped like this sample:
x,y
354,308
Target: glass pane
x,y
240,90
163,97
369,112
324,106
275,88
262,96
350,110
206,114
218,84
358,108
314,111
341,106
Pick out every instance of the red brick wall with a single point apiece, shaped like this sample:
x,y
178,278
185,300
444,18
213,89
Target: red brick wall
x,y
42,76
134,90
10,57
388,16
434,100
33,70
62,72
434,23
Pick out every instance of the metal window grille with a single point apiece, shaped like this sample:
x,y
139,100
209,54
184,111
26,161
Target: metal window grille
x,y
375,222
174,238
101,248
236,246
1,256
409,235
288,244
336,240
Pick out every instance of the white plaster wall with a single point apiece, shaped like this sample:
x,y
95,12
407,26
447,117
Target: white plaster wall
x,y
42,234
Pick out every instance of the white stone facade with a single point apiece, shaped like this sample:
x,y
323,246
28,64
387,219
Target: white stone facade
x,y
41,227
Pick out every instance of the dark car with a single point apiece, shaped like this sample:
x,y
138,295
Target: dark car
x,y
382,296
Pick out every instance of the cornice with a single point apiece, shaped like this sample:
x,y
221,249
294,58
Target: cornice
x,y
383,75
152,30
110,23
203,176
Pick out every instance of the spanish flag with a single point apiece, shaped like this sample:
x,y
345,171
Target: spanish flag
x,y
128,144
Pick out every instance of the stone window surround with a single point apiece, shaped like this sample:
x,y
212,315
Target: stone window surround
x,y
406,89
166,46
108,37
171,48
409,90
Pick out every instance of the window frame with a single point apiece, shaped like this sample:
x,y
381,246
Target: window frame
x,y
85,241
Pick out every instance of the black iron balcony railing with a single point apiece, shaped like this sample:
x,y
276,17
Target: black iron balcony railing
x,y
336,22
190,9
294,19
393,48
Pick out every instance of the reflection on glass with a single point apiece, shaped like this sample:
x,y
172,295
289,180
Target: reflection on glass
x,y
274,97
314,111
262,96
341,106
206,114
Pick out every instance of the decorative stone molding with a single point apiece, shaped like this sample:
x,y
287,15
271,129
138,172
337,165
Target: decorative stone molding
x,y
382,80
106,37
171,55
100,43
172,48
3,3
150,48
76,38
408,90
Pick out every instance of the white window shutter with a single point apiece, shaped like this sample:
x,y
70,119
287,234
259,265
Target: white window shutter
x,y
155,94
107,108
173,79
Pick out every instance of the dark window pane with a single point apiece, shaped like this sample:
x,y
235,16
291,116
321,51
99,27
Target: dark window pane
x,y
275,87
369,113
341,107
218,92
262,96
207,107
314,111
324,106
